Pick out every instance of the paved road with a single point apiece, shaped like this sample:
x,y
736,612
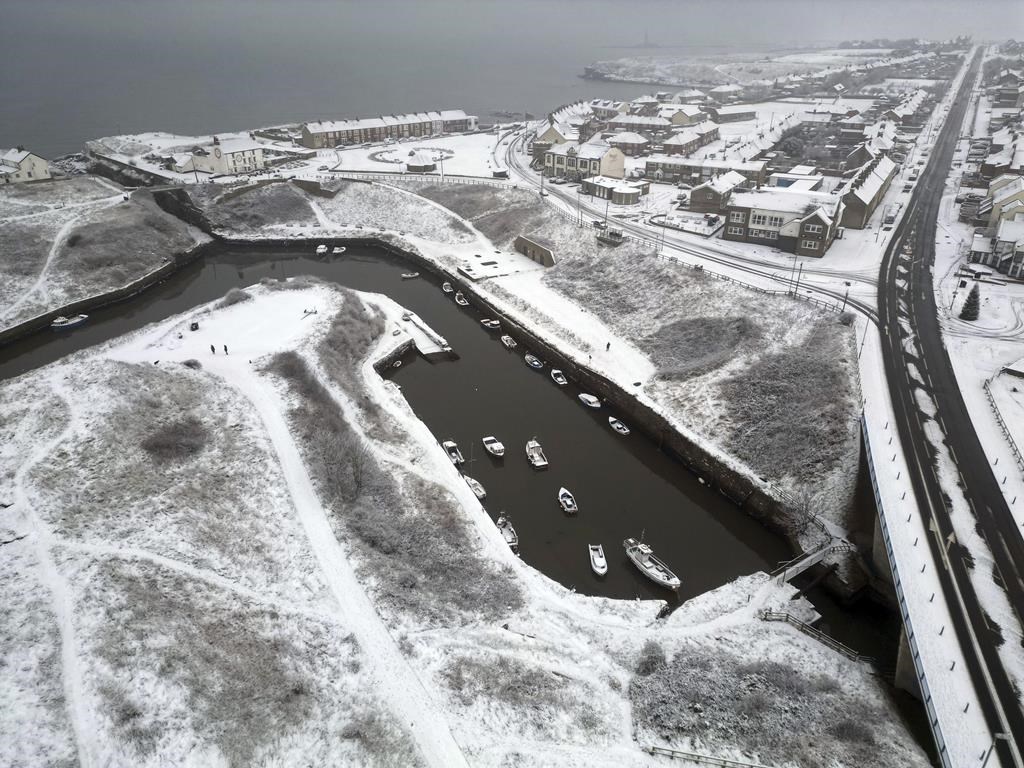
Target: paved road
x,y
912,252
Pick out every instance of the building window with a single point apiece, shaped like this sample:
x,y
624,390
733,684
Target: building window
x,y
810,245
763,234
813,229
736,216
735,230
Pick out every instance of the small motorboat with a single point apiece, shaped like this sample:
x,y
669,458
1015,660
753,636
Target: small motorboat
x,y
460,299
396,364
321,250
589,400
338,249
447,287
643,558
494,446
478,490
568,501
508,533
452,449
59,323
535,454
489,324
410,275
508,341
598,564
559,377
407,315
618,426
533,362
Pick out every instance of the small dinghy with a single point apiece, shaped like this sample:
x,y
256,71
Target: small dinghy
x,y
589,400
460,299
533,362
535,454
508,341
59,323
598,564
407,315
493,446
489,324
478,490
321,250
410,275
643,558
618,426
396,364
338,249
447,287
568,501
452,449
508,533
559,377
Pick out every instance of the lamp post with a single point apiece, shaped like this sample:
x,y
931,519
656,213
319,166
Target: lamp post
x,y
988,754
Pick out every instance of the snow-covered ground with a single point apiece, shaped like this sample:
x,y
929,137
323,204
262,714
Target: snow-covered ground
x,y
469,155
182,593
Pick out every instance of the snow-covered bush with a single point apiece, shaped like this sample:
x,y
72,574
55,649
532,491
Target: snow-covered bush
x,y
175,440
232,297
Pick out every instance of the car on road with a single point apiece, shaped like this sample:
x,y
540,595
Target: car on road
x,y
907,187
323,168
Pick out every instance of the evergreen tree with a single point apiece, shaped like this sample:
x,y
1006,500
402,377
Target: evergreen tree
x,y
969,311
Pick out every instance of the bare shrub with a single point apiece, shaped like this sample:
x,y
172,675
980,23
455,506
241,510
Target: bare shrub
x,y
300,283
192,363
652,658
853,731
176,440
232,297
694,345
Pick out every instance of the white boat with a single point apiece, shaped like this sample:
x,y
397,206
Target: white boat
x,y
643,558
478,490
494,446
68,322
452,449
338,249
618,426
598,563
589,400
508,533
460,299
508,341
321,250
559,377
568,501
410,275
533,362
447,287
535,454
489,324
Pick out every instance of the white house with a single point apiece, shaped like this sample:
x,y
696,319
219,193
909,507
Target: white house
x,y
228,157
21,165
578,161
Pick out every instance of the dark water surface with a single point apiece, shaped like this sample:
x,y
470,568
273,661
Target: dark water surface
x,y
624,485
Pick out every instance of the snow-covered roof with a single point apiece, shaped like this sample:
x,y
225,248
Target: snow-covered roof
x,y
591,150
682,138
659,122
617,185
784,200
14,156
232,146
981,244
690,110
755,166
692,93
324,126
1011,230
730,88
871,180
627,137
724,183
802,170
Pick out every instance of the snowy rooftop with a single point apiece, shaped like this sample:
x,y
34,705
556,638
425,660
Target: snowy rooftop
x,y
690,110
231,146
627,137
873,181
13,156
1011,230
737,165
725,182
607,182
589,151
784,200
322,126
639,120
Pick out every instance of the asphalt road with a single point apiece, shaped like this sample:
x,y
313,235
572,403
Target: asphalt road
x,y
912,250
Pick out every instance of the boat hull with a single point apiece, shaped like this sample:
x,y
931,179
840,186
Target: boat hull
x,y
650,566
598,562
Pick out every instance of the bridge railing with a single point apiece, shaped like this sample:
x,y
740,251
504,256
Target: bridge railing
x,y
699,759
1002,425
817,634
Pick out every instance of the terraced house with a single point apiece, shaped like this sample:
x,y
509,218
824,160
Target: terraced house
x,y
330,133
578,161
804,223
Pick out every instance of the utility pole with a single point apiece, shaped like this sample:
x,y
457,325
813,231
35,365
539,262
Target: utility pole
x,y
847,296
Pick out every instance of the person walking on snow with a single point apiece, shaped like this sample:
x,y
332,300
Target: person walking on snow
x,y
225,349
607,346
213,350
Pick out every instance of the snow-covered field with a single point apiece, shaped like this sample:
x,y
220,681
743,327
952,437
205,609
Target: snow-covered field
x,y
182,591
470,155
68,239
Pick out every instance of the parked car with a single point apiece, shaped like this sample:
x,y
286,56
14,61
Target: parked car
x,y
323,168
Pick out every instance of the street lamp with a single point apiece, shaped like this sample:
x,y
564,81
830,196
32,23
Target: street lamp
x,y
988,754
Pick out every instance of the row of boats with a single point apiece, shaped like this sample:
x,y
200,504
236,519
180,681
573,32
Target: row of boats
x,y
322,249
638,552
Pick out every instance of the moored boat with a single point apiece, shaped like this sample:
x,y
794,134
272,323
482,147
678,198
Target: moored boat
x,y
589,400
508,533
447,287
535,454
508,341
568,501
452,449
478,490
650,566
460,299
338,249
494,446
598,563
410,275
618,426
489,324
321,250
533,362
558,377
68,322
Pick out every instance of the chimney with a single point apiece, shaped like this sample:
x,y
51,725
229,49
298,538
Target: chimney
x,y
216,141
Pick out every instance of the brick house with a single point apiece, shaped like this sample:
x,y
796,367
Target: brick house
x,y
804,223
